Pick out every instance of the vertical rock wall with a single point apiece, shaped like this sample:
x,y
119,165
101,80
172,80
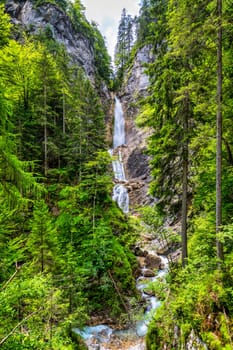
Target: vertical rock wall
x,y
136,161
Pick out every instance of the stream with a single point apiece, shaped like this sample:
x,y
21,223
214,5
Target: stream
x,y
103,337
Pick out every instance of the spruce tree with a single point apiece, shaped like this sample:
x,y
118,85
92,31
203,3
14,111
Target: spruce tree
x,y
124,43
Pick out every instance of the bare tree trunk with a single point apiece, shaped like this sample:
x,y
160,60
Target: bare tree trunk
x,y
63,113
219,135
42,251
185,184
2,341
45,133
94,203
118,292
10,279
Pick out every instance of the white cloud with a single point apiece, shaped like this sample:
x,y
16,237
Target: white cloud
x,y
107,14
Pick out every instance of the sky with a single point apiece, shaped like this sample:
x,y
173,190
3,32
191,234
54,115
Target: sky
x,y
107,14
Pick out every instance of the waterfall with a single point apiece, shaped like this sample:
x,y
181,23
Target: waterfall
x,y
120,192
119,125
120,195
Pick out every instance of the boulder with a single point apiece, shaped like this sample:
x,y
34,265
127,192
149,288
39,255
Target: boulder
x,y
148,273
148,292
153,261
139,252
141,261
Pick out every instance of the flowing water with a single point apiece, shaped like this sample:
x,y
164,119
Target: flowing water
x,y
120,192
119,125
103,337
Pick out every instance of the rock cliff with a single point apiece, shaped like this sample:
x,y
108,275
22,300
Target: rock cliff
x,y
136,161
32,19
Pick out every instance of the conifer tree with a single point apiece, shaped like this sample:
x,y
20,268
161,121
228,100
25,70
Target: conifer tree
x,y
219,132
41,242
124,42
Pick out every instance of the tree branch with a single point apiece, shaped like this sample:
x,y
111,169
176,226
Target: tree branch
x,y
118,292
10,279
18,325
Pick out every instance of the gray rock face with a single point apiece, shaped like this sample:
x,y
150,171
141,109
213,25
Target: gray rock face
x,y
34,19
195,343
136,161
136,81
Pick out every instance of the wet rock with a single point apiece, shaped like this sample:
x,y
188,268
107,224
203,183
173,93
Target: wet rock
x,y
175,256
153,261
147,237
148,292
162,266
139,252
141,261
148,273
141,159
162,251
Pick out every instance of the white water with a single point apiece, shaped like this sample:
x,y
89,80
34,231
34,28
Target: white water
x,y
101,337
120,192
120,195
119,125
154,303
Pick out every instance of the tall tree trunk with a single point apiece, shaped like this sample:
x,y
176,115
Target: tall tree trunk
x,y
63,113
219,135
45,133
185,184
42,251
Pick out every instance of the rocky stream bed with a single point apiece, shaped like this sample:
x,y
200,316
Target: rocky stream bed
x,y
152,268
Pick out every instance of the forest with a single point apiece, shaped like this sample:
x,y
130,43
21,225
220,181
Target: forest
x,y
66,248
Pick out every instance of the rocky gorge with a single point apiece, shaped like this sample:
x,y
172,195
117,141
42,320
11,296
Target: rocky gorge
x,y
28,17
102,333
135,86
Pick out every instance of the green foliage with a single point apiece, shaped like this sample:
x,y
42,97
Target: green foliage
x,y
198,301
60,3
5,27
32,308
183,39
63,241
41,243
102,58
85,223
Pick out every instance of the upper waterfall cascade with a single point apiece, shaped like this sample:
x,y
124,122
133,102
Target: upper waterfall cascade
x,y
119,125
120,192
